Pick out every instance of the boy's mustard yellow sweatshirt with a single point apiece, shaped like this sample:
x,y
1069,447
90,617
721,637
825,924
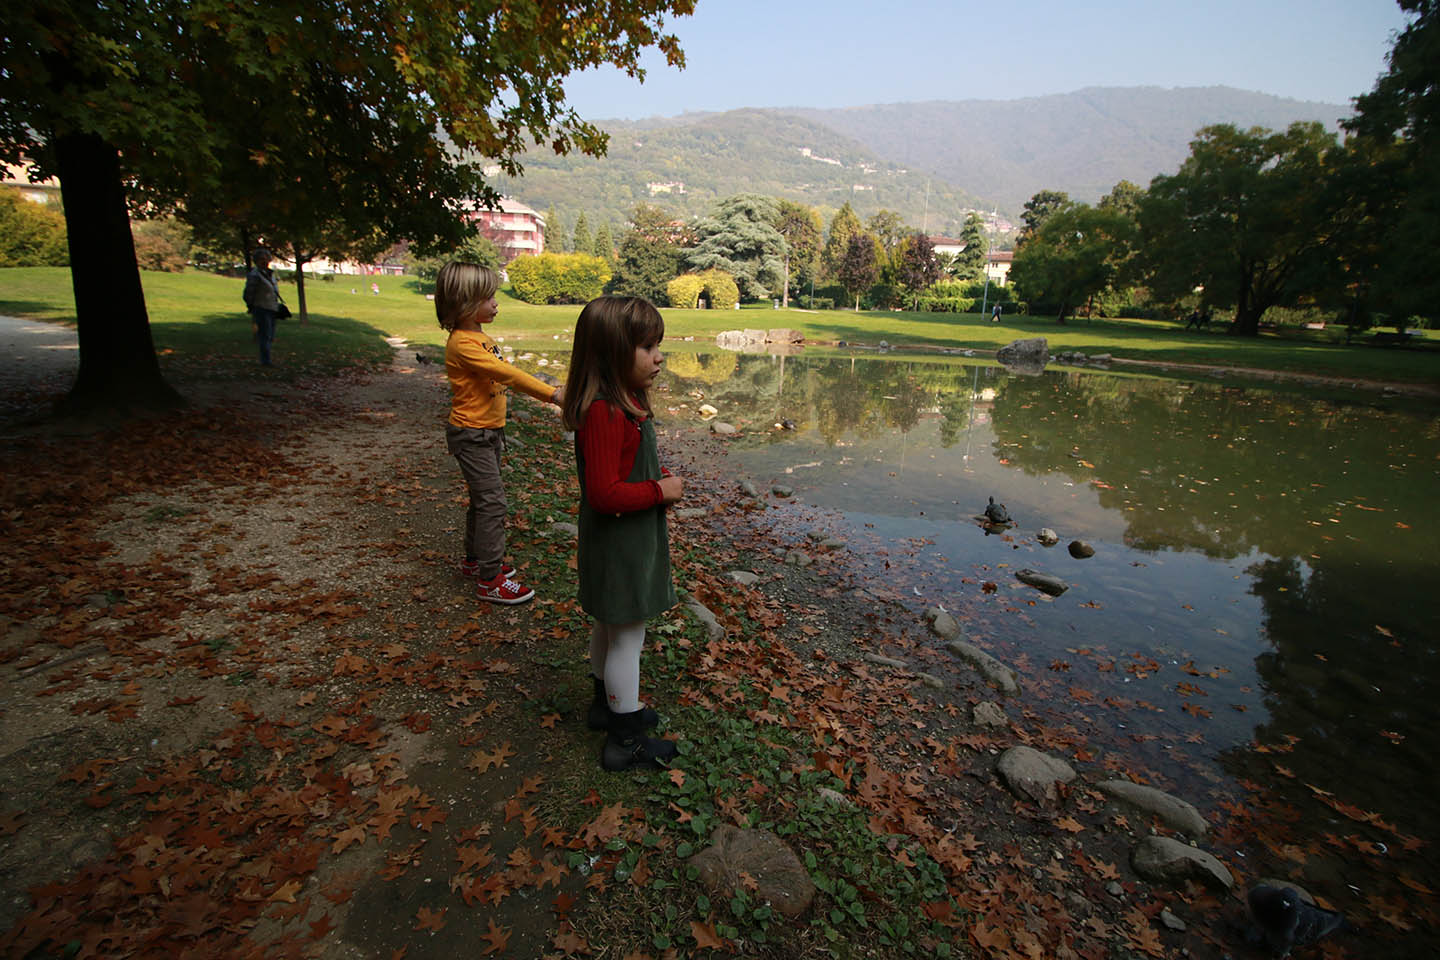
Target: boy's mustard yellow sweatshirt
x,y
478,378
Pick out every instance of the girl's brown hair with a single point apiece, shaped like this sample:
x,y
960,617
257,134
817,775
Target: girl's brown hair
x,y
606,335
460,289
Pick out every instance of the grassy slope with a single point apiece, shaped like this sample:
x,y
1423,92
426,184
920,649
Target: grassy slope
x,y
199,313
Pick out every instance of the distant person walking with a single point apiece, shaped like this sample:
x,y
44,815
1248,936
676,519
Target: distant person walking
x,y
262,299
374,289
995,314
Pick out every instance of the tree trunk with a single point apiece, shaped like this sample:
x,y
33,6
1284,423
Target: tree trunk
x,y
1247,318
300,260
857,303
118,367
785,297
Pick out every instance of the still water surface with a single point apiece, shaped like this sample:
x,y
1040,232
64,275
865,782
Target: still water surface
x,y
1257,620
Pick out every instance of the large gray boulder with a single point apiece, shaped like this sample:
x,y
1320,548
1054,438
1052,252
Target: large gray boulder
x,y
1032,775
784,335
1024,356
1172,811
1168,861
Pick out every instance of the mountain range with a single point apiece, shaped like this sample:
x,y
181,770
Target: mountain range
x,y
930,162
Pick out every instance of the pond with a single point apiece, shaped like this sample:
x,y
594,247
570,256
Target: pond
x,y
1254,630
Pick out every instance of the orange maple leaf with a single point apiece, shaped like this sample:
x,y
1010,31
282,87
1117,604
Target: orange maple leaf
x,y
677,777
1069,825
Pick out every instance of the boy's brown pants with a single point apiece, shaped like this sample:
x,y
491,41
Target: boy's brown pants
x,y
478,453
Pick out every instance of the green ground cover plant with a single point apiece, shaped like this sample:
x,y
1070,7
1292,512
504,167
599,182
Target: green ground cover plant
x,y
200,314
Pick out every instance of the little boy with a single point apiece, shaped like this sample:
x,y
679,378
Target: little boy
x,y
475,434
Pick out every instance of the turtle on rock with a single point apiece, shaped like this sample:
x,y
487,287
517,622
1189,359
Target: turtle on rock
x,y
996,512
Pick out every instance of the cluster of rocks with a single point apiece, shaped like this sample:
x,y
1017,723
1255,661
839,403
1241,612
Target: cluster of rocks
x,y
781,339
1037,777
1075,358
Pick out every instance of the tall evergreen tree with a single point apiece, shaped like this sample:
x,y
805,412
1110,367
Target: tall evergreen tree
x,y
843,226
582,241
969,263
800,226
740,239
605,245
649,256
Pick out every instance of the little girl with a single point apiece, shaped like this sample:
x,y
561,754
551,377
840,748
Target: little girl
x,y
624,555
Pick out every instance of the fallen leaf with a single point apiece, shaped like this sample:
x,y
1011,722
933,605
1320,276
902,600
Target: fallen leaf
x,y
427,919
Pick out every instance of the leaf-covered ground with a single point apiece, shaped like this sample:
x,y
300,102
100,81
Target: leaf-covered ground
x,y
252,709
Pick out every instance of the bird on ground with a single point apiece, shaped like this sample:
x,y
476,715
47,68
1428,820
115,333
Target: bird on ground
x,y
422,358
1286,920
996,512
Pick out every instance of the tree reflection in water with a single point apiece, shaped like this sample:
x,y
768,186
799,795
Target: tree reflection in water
x,y
1322,510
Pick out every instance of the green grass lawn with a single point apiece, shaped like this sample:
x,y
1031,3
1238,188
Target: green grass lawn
x,y
197,315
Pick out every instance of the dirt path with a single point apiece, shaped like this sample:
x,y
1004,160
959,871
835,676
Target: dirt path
x,y
252,709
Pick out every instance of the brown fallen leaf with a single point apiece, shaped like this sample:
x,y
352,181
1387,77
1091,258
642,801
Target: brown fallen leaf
x,y
427,919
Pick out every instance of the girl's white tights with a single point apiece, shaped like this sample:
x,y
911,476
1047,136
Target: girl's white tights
x,y
615,658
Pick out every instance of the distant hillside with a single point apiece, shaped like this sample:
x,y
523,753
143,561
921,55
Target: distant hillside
x,y
1082,143
715,155
929,162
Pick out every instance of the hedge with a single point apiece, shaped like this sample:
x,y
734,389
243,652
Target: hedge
x,y
684,291
558,277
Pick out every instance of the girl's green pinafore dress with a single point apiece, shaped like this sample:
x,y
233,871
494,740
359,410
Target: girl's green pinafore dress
x,y
624,560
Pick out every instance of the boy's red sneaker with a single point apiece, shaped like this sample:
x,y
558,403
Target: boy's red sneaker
x,y
502,590
471,569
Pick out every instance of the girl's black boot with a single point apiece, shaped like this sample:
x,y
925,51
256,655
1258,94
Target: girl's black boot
x,y
627,747
598,717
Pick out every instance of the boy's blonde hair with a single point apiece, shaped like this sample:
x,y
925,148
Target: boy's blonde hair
x,y
606,335
460,289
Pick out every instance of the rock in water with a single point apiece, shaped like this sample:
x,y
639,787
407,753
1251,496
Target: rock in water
x,y
1024,356
996,512
1079,549
1286,920
1043,582
1047,537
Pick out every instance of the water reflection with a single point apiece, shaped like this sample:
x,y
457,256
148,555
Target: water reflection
x,y
1265,560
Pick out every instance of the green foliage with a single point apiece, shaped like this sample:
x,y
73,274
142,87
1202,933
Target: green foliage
x,y
604,246
916,267
969,263
1399,120
649,256
843,226
740,239
31,234
321,126
718,287
558,277
162,245
800,226
1246,217
581,241
859,268
1071,257
1040,208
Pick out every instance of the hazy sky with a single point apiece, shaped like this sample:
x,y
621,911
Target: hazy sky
x,y
839,53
